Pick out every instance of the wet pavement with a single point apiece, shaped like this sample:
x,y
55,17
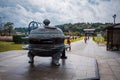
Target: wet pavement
x,y
81,64
16,67
108,61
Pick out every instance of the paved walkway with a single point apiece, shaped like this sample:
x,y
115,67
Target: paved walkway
x,y
108,61
15,66
81,64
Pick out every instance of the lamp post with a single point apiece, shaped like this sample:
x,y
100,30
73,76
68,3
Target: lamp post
x,y
114,16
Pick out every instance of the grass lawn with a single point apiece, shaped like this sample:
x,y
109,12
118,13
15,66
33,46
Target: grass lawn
x,y
100,40
6,46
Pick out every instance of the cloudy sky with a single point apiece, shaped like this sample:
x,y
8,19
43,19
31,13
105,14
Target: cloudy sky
x,y
21,12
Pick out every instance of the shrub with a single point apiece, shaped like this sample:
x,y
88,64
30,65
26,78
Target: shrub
x,y
99,40
105,37
6,38
18,38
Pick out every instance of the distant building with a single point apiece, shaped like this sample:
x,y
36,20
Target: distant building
x,y
19,33
89,32
113,37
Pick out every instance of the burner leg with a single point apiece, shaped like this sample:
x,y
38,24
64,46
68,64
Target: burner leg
x,y
55,59
63,55
31,57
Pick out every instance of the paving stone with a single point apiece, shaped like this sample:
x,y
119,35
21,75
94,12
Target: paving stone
x,y
103,65
106,59
107,77
105,71
113,63
117,75
75,66
80,64
115,68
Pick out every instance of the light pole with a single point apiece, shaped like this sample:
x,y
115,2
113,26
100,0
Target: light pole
x,y
114,16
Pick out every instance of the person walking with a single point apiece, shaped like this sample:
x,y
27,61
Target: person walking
x,y
68,44
85,39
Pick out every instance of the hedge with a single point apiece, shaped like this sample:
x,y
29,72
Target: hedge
x,y
18,38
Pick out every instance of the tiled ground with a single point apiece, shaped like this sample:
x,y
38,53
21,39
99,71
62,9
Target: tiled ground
x,y
79,65
16,67
108,61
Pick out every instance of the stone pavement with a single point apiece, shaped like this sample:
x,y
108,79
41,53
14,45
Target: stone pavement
x,y
80,65
14,66
108,61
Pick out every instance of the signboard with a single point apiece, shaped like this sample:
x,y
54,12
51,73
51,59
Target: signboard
x,y
99,35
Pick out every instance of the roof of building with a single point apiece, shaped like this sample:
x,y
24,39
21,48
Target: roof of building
x,y
89,29
115,26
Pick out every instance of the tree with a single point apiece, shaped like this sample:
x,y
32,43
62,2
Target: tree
x,y
8,28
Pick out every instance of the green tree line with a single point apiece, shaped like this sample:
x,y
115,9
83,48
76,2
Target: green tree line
x,y
68,28
77,28
7,29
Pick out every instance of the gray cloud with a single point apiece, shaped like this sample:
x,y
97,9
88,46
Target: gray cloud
x,y
21,12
